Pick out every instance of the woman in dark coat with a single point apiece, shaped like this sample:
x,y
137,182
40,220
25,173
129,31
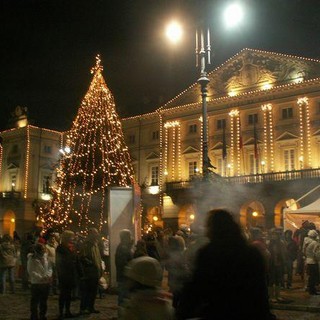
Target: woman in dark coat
x,y
66,269
229,276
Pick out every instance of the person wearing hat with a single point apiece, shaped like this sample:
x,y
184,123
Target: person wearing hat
x,y
147,301
310,246
40,273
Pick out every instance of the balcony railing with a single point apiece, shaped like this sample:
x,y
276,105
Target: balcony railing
x,y
10,195
255,178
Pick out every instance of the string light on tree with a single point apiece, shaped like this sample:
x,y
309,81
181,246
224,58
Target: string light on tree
x,y
94,158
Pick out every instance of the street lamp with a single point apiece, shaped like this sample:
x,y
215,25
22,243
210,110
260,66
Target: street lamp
x,y
233,15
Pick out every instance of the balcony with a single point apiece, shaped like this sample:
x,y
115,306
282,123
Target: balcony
x,y
254,178
10,195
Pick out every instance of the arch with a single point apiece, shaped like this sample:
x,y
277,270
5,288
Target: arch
x,y
278,210
252,214
9,222
186,214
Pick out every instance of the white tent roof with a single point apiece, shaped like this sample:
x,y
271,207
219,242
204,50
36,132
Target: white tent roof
x,y
313,208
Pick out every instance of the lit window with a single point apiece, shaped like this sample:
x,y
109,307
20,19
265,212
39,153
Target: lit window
x,y
289,159
155,176
46,184
193,168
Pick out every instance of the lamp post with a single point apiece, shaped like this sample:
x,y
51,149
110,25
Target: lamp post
x,y
232,16
203,52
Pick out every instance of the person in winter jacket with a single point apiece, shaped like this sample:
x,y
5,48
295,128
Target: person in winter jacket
x,y
310,246
7,263
66,262
147,301
91,267
40,273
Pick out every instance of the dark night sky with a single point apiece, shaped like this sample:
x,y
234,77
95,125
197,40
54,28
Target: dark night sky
x,y
48,48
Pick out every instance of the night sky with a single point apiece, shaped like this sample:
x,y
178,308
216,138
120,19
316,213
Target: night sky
x,y
48,48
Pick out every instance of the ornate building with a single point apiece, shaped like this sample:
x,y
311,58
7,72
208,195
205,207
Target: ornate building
x,y
264,141
264,134
28,156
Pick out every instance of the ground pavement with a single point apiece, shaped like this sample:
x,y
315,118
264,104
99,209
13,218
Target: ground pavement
x,y
299,305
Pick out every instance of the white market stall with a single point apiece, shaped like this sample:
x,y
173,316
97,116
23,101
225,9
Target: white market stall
x,y
293,219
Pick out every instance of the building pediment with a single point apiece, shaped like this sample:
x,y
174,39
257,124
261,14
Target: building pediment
x,y
152,156
190,149
250,142
250,70
286,136
12,165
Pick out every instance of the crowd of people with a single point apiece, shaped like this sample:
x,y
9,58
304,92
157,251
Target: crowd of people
x,y
220,272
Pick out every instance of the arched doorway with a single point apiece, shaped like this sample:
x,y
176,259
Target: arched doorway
x,y
278,210
9,223
186,215
252,214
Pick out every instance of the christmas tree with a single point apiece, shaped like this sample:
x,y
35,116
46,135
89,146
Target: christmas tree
x,y
95,158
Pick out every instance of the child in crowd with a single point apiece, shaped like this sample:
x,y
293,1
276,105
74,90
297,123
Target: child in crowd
x,y
40,273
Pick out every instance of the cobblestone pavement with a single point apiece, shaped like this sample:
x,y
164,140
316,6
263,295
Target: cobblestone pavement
x,y
16,307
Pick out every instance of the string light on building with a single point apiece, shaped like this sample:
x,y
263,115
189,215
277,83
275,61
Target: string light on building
x,y
305,132
26,176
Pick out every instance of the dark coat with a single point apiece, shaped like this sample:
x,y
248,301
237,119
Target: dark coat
x,y
66,265
123,256
90,260
228,283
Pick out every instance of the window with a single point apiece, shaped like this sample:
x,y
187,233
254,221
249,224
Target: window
x,y
289,159
193,128
47,149
193,168
221,123
155,176
252,163
155,135
14,149
132,138
46,184
287,113
13,182
253,118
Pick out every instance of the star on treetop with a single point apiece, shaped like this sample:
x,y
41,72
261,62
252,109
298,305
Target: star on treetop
x,y
98,66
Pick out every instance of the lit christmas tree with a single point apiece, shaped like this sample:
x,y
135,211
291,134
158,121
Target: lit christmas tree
x,y
95,157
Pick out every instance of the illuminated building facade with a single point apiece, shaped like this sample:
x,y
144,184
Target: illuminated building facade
x,y
28,156
264,140
264,135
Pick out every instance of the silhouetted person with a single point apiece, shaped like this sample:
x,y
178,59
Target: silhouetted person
x,y
176,267
26,248
66,260
122,258
292,250
140,250
90,260
229,276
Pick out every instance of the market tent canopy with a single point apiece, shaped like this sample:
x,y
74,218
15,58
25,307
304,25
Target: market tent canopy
x,y
293,219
